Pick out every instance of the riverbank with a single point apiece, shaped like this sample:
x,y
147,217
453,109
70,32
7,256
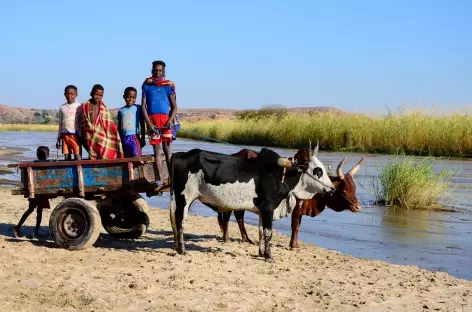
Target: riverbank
x,y
414,133
147,275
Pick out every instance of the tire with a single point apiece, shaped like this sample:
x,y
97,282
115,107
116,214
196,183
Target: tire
x,y
75,224
141,204
126,218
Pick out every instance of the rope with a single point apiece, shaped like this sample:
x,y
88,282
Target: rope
x,y
319,181
213,139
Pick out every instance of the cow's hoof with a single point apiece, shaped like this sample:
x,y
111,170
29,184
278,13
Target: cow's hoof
x,y
294,247
247,240
181,251
270,260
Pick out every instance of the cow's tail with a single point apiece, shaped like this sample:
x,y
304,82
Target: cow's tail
x,y
171,204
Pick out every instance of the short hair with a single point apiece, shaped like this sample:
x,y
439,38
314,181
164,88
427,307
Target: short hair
x,y
96,87
42,153
159,63
70,87
128,89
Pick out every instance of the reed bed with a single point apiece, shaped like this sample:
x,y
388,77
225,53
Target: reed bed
x,y
412,133
29,127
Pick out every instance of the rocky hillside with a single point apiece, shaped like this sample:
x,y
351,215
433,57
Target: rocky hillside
x,y
20,115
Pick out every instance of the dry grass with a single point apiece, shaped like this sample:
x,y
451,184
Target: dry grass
x,y
410,133
29,127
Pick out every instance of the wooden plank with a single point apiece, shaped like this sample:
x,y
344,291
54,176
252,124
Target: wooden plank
x,y
143,159
29,171
80,177
131,171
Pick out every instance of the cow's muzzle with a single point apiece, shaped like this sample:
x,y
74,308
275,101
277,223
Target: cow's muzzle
x,y
356,208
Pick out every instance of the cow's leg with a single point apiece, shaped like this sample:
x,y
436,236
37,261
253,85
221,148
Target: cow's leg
x,y
225,221
296,221
239,214
261,238
220,221
267,216
179,220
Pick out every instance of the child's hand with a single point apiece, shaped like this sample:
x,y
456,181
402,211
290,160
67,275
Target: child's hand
x,y
168,124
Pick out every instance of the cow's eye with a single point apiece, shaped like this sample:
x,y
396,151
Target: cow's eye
x,y
318,172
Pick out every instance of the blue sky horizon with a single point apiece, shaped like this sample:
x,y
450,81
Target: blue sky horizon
x,y
357,56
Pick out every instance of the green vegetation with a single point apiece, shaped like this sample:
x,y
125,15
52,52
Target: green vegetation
x,y
29,127
411,133
5,170
411,183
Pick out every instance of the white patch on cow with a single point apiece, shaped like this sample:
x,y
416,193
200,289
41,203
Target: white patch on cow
x,y
226,197
309,185
261,238
285,208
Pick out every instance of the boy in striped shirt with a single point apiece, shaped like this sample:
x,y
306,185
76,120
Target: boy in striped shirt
x,y
69,125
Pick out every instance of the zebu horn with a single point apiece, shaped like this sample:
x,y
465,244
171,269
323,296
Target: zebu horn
x,y
354,169
315,150
283,162
309,148
340,169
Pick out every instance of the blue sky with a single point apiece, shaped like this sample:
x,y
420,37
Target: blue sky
x,y
353,55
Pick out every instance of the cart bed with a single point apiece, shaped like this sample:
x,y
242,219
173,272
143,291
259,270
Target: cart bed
x,y
87,178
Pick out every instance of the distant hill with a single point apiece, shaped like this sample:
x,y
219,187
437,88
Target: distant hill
x,y
20,115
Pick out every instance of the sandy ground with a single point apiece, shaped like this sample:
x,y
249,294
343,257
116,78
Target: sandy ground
x,y
147,275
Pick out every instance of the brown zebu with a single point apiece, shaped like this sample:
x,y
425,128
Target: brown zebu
x,y
345,198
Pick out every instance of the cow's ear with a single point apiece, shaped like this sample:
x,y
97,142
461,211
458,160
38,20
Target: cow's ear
x,y
318,172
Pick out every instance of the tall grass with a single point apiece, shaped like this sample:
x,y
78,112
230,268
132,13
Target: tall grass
x,y
28,127
412,133
411,183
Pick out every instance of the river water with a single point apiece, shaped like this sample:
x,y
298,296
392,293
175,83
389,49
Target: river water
x,y
438,241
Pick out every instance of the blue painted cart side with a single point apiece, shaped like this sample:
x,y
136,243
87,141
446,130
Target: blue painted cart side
x,y
85,178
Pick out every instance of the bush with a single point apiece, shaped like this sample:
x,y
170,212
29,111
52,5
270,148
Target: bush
x,y
277,111
411,184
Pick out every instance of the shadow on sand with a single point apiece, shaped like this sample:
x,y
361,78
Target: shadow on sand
x,y
163,240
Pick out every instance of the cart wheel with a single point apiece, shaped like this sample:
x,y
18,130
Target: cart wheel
x,y
126,217
75,224
140,204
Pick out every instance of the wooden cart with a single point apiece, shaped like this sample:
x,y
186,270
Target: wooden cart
x,y
96,193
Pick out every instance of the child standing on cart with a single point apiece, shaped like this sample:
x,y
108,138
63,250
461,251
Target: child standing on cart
x,y
130,124
69,125
100,133
42,153
159,109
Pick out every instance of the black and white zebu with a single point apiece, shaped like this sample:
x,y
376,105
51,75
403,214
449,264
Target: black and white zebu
x,y
223,182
